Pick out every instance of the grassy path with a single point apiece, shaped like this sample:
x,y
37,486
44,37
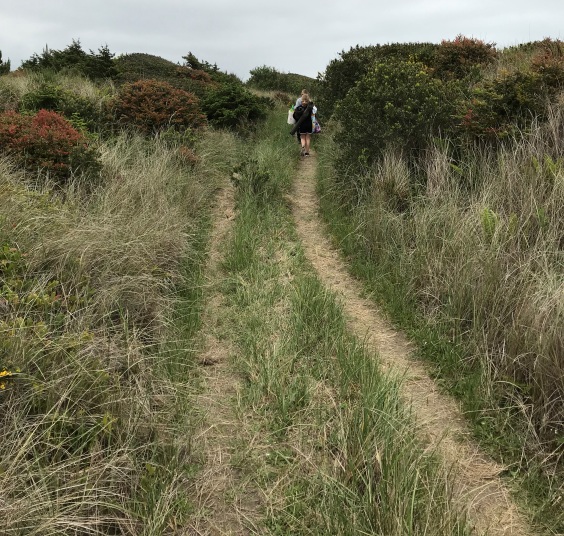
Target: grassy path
x,y
477,485
315,420
222,507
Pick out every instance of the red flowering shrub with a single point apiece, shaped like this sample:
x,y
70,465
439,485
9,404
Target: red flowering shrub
x,y
549,64
497,108
48,142
462,57
150,106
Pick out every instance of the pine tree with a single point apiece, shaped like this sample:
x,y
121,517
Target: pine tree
x,y
4,65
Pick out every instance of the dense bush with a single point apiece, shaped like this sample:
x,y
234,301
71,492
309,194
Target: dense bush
x,y
47,142
394,104
193,63
137,66
151,105
462,57
343,73
232,106
514,100
268,78
80,111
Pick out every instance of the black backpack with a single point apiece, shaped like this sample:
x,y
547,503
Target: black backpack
x,y
298,111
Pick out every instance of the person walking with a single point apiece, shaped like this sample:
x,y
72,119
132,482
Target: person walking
x,y
299,103
305,125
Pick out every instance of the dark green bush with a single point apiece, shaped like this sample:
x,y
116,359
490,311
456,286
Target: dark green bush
x,y
83,113
93,65
343,73
395,104
234,107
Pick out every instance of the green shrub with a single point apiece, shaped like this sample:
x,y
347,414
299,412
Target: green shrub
x,y
343,73
394,104
47,142
82,112
234,107
268,78
264,78
150,106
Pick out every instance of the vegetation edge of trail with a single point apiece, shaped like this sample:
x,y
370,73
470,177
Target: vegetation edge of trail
x,y
499,433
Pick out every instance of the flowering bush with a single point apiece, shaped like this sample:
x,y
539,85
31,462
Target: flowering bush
x,y
47,142
462,57
150,106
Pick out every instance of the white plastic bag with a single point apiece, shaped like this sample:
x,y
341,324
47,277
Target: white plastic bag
x,y
291,120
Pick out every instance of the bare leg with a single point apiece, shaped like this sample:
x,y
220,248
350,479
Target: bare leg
x,y
307,142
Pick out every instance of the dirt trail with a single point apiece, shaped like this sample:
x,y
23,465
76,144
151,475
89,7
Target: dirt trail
x,y
225,507
478,488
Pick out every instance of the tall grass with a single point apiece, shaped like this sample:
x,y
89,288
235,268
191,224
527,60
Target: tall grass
x,y
477,256
96,431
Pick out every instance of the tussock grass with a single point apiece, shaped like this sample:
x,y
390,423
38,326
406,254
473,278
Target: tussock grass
x,y
471,266
15,86
95,416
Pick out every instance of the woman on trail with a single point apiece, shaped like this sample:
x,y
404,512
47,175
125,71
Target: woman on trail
x,y
299,103
305,124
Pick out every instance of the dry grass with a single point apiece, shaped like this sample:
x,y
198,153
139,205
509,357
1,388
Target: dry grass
x,y
96,428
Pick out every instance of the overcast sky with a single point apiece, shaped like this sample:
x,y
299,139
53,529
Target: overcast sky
x,y
240,35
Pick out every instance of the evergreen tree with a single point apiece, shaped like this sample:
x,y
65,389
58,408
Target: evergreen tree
x,y
4,65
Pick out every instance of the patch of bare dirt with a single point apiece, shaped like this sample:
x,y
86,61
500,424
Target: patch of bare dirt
x,y
226,505
478,489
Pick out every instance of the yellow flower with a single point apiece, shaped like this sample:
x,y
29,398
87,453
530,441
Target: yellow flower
x,y
5,373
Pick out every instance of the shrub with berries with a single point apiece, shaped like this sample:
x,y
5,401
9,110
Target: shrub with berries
x,y
46,142
151,106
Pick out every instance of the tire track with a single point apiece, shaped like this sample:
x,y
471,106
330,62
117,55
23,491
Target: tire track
x,y
225,506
